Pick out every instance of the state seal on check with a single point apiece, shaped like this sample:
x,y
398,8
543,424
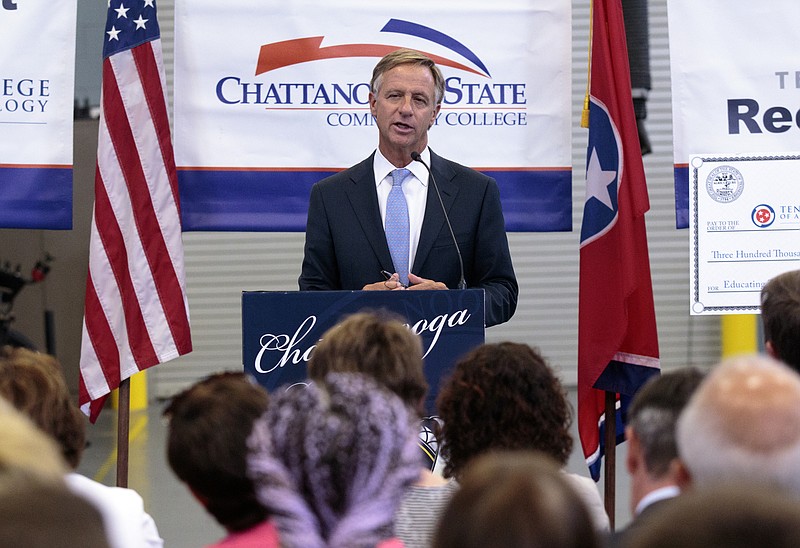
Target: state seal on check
x,y
724,184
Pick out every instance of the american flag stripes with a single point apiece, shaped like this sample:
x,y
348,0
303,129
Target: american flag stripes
x,y
617,337
136,313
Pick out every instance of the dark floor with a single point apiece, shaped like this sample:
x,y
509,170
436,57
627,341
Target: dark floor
x,y
181,521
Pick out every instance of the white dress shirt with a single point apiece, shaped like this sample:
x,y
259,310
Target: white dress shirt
x,y
415,189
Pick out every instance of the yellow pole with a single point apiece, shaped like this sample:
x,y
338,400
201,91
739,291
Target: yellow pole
x,y
739,334
138,393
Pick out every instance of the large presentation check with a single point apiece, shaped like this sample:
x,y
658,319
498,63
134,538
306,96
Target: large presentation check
x,y
745,229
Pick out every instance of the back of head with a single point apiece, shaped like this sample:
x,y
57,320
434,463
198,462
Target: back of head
x,y
780,315
654,412
34,384
43,514
332,461
26,450
503,396
209,424
743,422
515,499
733,516
377,344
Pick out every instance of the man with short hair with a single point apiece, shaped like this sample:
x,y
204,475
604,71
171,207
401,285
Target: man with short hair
x,y
780,315
743,426
382,218
652,459
209,424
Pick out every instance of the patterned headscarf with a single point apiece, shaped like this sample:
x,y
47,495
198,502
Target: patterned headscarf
x,y
331,462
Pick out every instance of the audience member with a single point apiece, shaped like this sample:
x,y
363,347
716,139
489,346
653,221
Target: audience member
x,y
504,396
743,424
332,461
732,517
780,315
209,424
25,449
381,346
377,344
652,457
515,499
45,514
35,385
36,508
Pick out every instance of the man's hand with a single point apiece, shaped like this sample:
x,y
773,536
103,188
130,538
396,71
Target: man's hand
x,y
415,282
391,284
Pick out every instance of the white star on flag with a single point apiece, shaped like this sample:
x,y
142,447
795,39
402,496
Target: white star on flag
x,y
140,22
113,34
148,3
597,181
122,11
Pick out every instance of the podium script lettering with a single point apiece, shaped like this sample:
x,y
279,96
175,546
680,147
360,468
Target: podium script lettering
x,y
292,350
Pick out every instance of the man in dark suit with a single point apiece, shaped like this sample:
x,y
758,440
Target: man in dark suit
x,y
346,244
652,460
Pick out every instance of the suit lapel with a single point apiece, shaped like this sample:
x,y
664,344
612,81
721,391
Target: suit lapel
x,y
433,222
363,197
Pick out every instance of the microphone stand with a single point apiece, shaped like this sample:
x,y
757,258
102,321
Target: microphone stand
x,y
462,283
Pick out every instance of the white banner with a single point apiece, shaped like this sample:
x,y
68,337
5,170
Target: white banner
x,y
735,69
37,75
270,96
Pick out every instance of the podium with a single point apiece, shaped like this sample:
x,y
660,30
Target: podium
x,y
281,329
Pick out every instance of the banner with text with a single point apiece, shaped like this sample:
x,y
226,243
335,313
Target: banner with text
x,y
37,89
272,96
735,82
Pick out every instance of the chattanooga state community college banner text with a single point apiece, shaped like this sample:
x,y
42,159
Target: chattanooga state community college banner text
x,y
735,82
271,97
37,75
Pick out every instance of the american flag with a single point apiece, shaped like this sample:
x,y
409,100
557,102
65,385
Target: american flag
x,y
136,313
617,337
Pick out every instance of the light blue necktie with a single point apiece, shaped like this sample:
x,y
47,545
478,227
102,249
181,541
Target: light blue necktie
x,y
397,226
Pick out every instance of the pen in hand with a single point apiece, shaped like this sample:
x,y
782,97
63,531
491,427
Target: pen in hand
x,y
388,276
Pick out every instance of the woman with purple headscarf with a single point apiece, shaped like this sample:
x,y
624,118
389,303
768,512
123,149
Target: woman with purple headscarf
x,y
331,462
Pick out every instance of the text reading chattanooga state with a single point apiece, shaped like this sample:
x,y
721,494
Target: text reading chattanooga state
x,y
345,105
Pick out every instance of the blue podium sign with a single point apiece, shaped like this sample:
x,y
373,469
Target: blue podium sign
x,y
281,329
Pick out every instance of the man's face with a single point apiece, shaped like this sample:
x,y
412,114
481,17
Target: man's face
x,y
404,107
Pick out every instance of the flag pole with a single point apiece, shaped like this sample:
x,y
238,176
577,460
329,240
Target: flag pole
x,y
123,430
611,456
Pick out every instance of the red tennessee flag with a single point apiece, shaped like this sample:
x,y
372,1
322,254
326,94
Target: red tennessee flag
x,y
617,338
136,313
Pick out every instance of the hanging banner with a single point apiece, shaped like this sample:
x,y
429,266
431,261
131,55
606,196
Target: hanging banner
x,y
37,90
735,82
272,96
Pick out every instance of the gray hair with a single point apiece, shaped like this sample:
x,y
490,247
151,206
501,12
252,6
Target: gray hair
x,y
743,423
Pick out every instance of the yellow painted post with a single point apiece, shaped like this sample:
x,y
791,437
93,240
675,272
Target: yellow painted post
x,y
739,334
138,393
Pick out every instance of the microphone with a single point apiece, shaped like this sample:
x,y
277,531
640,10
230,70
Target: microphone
x,y
462,283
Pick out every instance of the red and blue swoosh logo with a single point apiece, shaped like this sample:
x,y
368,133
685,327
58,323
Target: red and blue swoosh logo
x,y
303,50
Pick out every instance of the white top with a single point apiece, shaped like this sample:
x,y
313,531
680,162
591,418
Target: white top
x,y
587,491
127,524
415,189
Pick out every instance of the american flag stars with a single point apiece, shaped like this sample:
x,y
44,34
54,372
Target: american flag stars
x,y
129,23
